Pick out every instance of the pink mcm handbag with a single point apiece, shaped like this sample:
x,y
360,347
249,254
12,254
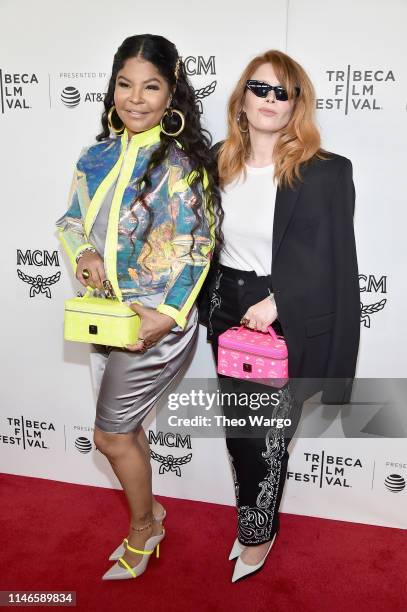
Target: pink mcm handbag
x,y
245,353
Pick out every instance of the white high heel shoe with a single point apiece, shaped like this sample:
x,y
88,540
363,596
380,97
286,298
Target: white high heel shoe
x,y
120,550
242,569
121,570
237,548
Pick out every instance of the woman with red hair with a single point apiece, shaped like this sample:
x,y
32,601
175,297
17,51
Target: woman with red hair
x,y
288,259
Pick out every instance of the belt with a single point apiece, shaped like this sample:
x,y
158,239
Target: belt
x,y
244,274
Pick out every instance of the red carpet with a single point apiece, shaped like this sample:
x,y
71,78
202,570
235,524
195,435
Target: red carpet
x,y
57,536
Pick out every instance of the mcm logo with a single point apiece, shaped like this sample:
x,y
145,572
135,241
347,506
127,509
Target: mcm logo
x,y
371,284
199,64
171,463
169,439
368,309
38,283
202,93
37,258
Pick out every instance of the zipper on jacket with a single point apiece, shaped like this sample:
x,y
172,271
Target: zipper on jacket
x,y
114,191
127,167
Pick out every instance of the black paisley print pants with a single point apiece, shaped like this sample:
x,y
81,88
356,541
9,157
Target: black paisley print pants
x,y
258,455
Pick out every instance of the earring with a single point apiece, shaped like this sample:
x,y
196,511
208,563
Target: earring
x,y
169,115
110,123
239,124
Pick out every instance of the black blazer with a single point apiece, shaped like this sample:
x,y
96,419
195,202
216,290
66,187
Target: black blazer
x,y
315,279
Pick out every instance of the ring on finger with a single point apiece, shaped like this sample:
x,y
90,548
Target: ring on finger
x,y
85,273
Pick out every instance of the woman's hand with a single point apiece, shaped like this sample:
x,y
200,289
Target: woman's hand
x,y
154,326
94,264
260,315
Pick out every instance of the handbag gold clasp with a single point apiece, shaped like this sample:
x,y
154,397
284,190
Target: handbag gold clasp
x,y
109,291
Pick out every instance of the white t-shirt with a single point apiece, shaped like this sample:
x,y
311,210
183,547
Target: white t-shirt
x,y
248,222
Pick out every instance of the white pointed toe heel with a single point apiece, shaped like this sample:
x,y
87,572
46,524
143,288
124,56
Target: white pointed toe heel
x,y
116,554
121,570
119,552
237,548
242,569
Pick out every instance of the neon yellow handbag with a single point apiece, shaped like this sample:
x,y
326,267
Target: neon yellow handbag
x,y
99,320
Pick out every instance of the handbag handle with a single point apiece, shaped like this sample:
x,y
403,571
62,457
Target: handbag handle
x,y
87,293
272,333
108,289
270,330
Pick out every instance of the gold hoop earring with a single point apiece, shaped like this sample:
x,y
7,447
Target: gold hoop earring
x,y
168,113
239,124
110,123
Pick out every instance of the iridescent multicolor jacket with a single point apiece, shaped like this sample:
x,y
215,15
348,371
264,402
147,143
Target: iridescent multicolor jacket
x,y
169,268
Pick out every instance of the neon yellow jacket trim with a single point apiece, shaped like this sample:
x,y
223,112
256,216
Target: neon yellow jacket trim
x,y
163,264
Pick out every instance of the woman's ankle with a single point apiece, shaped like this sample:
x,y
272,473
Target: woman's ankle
x,y
158,508
142,522
141,537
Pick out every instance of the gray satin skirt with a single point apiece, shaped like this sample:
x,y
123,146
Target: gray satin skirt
x,y
129,384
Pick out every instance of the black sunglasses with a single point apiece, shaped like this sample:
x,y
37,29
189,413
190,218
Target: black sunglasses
x,y
261,90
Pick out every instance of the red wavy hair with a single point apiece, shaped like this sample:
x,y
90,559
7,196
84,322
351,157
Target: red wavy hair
x,y
298,141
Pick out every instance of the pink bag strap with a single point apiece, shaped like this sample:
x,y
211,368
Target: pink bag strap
x,y
272,332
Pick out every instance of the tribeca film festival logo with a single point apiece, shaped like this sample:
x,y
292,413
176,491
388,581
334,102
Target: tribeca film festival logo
x,y
15,89
371,284
27,433
326,470
354,89
38,283
169,463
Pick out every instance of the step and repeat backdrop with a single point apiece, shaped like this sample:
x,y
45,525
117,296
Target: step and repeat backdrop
x,y
54,70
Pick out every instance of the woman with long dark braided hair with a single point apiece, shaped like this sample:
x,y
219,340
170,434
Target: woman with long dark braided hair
x,y
142,215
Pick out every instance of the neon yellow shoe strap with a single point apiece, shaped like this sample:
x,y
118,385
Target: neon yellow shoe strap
x,y
136,550
127,567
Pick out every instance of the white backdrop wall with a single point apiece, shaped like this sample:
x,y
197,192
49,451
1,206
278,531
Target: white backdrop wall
x,y
54,70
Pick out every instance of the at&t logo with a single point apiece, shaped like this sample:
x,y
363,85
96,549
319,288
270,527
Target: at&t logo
x,y
71,96
395,483
83,445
